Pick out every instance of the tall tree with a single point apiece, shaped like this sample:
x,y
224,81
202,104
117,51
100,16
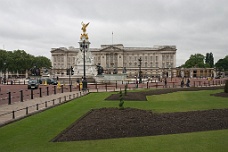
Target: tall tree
x,y
196,60
209,60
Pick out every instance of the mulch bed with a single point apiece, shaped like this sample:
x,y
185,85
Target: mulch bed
x,y
109,123
106,123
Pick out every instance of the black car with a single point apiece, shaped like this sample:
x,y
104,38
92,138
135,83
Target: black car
x,y
33,84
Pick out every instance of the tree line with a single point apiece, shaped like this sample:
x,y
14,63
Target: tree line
x,y
200,61
20,61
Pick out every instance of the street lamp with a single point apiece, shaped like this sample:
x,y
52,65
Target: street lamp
x,y
140,72
83,47
4,79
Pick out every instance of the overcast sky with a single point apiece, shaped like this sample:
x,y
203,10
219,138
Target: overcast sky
x,y
193,26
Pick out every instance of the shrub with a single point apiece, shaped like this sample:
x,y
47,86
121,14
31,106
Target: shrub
x,y
226,87
121,100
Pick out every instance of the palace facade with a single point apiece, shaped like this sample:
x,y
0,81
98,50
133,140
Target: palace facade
x,y
116,59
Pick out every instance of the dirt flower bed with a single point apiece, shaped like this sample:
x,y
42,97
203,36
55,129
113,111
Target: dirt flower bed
x,y
141,96
109,123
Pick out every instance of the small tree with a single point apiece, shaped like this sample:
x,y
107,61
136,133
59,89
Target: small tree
x,y
121,100
226,87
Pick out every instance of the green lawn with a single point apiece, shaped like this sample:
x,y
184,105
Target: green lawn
x,y
36,132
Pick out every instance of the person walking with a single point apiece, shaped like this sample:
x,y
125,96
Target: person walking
x,y
188,83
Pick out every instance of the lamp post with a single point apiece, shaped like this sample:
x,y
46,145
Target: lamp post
x,y
140,72
84,47
4,78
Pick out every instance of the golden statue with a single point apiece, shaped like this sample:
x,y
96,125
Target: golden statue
x,y
84,27
84,31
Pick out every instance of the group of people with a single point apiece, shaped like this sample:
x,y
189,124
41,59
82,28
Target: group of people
x,y
182,82
187,83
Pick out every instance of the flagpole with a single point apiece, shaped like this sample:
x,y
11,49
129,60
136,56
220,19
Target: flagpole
x,y
112,38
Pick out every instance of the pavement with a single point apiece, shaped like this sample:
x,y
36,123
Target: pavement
x,y
20,110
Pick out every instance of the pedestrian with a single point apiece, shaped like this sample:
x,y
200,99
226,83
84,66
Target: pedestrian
x,y
165,82
188,83
182,83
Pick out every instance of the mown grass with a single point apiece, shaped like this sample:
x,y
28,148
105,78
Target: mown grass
x,y
36,132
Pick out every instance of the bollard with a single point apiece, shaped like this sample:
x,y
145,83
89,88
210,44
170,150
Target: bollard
x,y
40,92
21,95
59,99
31,93
54,89
62,88
65,98
116,84
9,98
24,82
37,106
147,85
70,88
106,87
53,101
47,91
46,104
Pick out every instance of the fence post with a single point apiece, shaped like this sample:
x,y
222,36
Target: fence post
x,y
9,98
13,114
21,95
70,88
26,110
31,93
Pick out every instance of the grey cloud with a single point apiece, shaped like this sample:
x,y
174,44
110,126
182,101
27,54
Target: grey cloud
x,y
193,26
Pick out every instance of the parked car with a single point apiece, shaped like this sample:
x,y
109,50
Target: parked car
x,y
33,84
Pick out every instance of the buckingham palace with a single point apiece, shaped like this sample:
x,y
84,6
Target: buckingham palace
x,y
116,59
